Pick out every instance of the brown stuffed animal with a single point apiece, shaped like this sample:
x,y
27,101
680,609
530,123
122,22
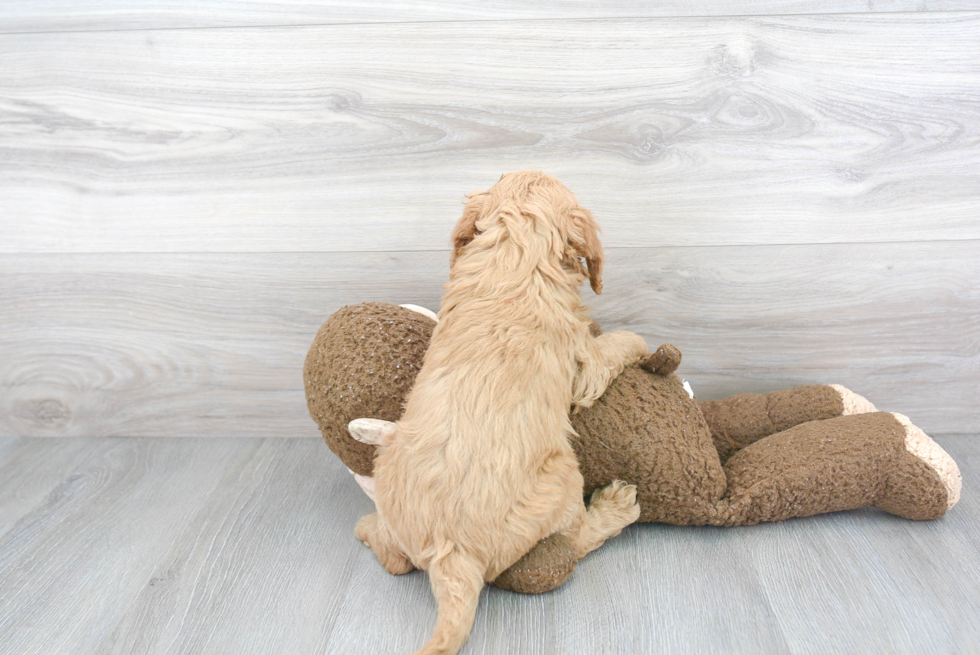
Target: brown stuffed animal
x,y
737,461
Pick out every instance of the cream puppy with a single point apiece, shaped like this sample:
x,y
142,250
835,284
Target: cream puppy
x,y
479,468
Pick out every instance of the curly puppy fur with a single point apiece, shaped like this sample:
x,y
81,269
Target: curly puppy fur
x,y
479,469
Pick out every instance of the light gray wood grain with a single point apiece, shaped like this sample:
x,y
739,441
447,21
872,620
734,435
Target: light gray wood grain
x,y
688,131
265,566
666,573
29,472
71,567
246,546
82,15
904,599
185,345
897,322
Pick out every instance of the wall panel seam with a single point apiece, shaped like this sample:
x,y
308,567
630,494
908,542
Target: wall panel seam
x,y
495,21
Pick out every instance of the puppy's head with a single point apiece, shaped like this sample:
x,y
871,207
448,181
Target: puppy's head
x,y
531,207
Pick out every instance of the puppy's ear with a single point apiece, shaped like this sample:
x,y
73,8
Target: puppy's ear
x,y
465,228
589,247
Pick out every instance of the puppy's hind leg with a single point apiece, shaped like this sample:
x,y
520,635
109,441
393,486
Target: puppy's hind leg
x,y
371,529
610,510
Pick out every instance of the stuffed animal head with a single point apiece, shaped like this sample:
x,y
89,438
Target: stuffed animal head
x,y
362,364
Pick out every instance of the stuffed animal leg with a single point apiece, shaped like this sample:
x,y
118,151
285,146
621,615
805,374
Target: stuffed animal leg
x,y
871,459
740,420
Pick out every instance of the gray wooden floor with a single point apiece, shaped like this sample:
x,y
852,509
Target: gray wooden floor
x,y
220,545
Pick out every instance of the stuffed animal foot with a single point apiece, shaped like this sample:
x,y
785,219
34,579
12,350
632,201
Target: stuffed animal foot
x,y
914,475
872,459
544,568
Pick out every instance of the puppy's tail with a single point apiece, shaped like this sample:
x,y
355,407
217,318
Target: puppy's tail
x,y
457,580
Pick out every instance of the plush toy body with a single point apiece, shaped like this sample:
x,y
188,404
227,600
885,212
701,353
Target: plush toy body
x,y
737,461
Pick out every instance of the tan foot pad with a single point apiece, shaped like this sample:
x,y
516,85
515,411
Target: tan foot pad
x,y
924,448
853,403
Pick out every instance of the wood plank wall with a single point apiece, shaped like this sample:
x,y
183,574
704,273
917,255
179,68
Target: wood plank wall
x,y
789,191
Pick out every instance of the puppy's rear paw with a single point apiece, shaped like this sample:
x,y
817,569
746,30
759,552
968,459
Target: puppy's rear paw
x,y
369,531
617,492
366,527
617,503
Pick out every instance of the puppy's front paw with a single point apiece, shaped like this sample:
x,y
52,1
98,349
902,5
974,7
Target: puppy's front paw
x,y
636,346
